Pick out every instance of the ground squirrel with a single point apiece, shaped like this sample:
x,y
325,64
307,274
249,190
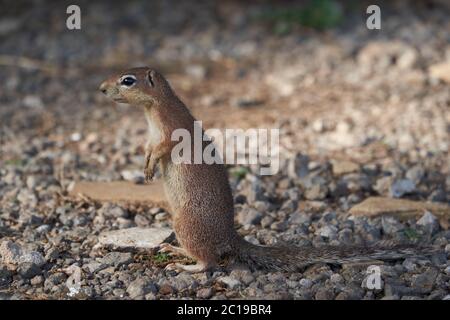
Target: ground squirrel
x,y
200,195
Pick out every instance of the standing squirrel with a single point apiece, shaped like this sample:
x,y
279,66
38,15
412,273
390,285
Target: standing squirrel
x,y
200,196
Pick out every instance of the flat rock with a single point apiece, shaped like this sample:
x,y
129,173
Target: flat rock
x,y
121,191
344,167
143,238
440,71
401,208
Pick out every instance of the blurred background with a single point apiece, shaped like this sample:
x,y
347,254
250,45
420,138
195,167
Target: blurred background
x,y
310,67
362,112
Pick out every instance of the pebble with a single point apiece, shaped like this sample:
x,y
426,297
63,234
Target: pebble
x,y
230,282
117,259
306,283
401,187
28,270
10,252
205,293
429,222
140,287
249,216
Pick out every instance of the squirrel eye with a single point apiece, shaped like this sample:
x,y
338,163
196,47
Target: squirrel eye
x,y
128,81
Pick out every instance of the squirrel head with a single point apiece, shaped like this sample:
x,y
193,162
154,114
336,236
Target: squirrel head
x,y
137,86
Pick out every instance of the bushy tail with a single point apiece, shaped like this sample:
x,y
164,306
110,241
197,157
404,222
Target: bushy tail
x,y
293,258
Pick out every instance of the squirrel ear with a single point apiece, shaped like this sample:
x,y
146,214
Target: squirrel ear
x,y
150,75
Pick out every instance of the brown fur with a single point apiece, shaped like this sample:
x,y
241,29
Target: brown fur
x,y
200,195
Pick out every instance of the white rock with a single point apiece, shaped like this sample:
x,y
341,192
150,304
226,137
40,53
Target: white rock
x,y
145,238
231,283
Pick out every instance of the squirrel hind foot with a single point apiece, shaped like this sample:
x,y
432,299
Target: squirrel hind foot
x,y
194,268
168,248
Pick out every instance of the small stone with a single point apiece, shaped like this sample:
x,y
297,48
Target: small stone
x,y
166,289
124,223
344,167
230,282
182,281
429,222
31,182
94,267
390,225
37,280
401,187
33,257
306,283
28,270
317,191
117,259
298,166
205,293
328,231
383,184
140,287
114,211
409,265
135,176
52,254
438,195
249,216
150,296
324,294
266,221
141,220
279,226
43,228
54,280
415,174
447,270
256,192
336,278
5,276
425,281
119,292
10,252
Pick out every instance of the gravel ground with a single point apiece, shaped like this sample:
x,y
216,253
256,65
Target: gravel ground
x,y
362,113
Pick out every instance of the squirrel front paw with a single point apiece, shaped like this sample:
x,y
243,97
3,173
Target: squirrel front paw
x,y
149,172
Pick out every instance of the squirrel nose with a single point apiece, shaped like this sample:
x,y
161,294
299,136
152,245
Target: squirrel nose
x,y
102,87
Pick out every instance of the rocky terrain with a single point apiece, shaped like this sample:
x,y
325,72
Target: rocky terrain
x,y
364,131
